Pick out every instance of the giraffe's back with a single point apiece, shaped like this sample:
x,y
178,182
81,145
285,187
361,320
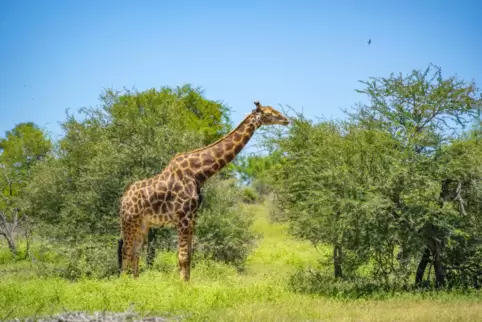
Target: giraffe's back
x,y
165,199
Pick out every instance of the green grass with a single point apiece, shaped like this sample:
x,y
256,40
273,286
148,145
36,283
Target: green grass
x,y
218,293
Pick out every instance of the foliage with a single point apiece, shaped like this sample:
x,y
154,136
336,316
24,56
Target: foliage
x,y
223,228
333,193
396,179
91,259
75,192
421,110
250,195
256,167
20,149
315,282
255,171
131,136
23,147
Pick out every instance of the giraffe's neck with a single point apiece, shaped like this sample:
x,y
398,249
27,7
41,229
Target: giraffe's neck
x,y
207,161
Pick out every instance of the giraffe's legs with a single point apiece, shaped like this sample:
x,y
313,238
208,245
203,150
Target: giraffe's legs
x,y
184,251
127,249
136,254
139,240
133,235
125,244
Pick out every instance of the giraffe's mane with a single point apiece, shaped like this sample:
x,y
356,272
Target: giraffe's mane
x,y
219,140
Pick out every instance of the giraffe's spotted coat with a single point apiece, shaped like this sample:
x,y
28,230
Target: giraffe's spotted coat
x,y
172,197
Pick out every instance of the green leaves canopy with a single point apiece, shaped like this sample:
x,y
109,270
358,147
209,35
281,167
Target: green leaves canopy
x,y
399,174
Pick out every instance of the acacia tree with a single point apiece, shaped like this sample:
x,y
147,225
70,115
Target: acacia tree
x,y
390,179
331,192
423,111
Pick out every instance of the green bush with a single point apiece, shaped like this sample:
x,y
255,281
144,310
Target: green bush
x,y
75,191
223,231
250,195
91,260
262,187
320,283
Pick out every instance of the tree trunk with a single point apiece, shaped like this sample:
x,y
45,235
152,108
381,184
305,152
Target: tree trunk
x,y
28,239
11,245
421,267
337,260
437,264
7,229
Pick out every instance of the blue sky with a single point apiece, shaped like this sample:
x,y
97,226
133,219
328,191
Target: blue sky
x,y
307,54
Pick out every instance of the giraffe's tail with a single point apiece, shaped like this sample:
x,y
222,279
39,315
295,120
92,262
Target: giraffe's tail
x,y
120,243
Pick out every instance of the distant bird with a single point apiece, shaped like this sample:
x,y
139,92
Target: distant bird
x,y
369,41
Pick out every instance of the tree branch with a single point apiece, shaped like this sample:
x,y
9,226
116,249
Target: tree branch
x,y
3,219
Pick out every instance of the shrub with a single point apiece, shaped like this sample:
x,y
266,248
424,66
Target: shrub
x,y
261,186
222,231
250,195
91,260
223,227
320,283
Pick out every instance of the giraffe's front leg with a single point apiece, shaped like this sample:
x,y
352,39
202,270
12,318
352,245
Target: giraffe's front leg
x,y
184,251
139,240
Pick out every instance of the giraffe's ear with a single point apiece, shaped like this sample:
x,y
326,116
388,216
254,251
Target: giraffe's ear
x,y
258,106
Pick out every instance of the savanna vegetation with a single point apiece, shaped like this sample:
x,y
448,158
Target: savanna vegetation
x,y
376,216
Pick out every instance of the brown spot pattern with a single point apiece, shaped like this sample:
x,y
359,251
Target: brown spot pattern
x,y
172,196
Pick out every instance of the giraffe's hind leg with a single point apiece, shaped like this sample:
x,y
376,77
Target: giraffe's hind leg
x,y
185,251
136,254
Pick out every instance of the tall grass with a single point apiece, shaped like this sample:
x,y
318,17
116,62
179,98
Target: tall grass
x,y
218,292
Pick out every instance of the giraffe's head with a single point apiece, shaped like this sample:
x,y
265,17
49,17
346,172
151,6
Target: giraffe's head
x,y
269,115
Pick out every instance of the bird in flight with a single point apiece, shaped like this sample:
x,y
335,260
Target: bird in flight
x,y
369,41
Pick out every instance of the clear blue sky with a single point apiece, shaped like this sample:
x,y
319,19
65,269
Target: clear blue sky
x,y
307,54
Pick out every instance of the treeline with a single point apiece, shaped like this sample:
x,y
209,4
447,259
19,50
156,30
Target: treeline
x,y
394,189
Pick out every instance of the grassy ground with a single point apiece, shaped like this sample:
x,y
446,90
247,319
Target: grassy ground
x,y
218,293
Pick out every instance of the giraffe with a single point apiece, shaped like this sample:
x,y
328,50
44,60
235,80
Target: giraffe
x,y
172,197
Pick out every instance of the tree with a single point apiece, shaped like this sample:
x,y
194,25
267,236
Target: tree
x,y
423,111
21,148
132,135
331,191
390,179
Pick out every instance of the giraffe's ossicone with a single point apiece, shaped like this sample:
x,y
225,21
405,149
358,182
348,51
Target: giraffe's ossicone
x,y
172,197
